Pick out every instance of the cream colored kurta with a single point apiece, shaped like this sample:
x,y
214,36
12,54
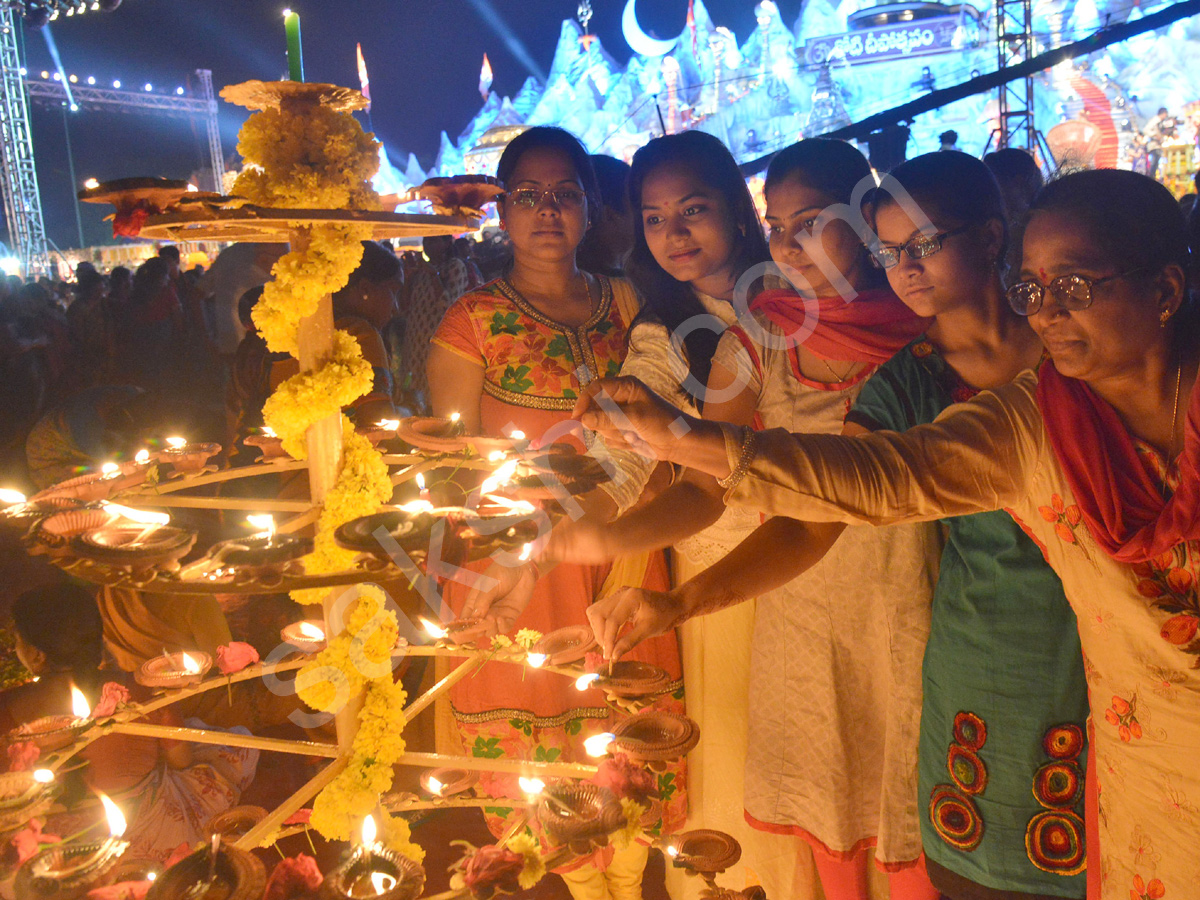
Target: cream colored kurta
x,y
835,682
1140,653
714,650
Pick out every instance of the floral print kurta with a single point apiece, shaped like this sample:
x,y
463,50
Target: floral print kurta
x,y
1137,623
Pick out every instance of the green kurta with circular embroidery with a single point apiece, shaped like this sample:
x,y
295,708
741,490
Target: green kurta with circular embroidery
x,y
1001,751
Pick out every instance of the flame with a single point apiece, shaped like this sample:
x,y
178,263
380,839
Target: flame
x,y
531,785
79,704
43,776
501,476
192,188
110,470
176,443
435,785
583,682
265,525
311,631
523,507
368,830
420,481
496,456
116,821
9,496
597,744
388,424
454,417
526,552
434,630
141,516
416,506
142,456
485,77
189,665
268,431
517,434
672,850
536,660
382,882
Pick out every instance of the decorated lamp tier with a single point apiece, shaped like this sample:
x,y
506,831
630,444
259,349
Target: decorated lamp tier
x,y
115,527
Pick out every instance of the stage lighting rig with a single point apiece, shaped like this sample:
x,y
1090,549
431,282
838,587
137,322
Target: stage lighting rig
x,y
40,12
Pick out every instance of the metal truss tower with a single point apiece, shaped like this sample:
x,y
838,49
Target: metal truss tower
x,y
1014,45
18,173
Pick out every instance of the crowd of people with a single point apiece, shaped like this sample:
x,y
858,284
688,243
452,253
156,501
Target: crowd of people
x,y
991,695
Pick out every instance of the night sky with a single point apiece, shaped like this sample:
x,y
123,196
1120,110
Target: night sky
x,y
423,57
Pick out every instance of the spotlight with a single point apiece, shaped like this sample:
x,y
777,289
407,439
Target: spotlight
x,y
74,79
74,107
71,11
57,76
24,71
91,79
36,14
149,87
179,91
117,85
45,75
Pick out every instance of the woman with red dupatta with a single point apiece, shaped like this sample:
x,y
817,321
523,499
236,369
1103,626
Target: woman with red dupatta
x,y
1097,454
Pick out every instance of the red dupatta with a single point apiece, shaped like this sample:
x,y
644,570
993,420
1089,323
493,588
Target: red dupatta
x,y
868,329
1122,503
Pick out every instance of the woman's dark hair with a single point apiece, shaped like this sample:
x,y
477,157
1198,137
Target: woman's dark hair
x,y
1132,221
670,302
147,281
948,185
63,621
545,136
246,304
832,167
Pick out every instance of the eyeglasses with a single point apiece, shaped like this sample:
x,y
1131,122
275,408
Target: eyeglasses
x,y
921,246
530,198
1071,292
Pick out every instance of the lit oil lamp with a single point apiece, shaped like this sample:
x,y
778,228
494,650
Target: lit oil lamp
x,y
173,670
187,457
70,870
597,745
447,781
52,733
269,443
502,476
375,871
136,545
705,851
307,636
536,660
435,631
217,870
567,645
579,814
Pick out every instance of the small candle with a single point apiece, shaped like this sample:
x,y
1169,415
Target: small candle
x,y
295,56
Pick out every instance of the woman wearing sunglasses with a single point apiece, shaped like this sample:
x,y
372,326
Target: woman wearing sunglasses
x,y
1097,454
515,355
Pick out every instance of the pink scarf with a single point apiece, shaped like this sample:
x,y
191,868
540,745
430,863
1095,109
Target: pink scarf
x,y
1121,502
869,329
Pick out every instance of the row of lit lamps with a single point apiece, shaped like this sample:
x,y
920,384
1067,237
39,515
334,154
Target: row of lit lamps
x,y
40,12
91,80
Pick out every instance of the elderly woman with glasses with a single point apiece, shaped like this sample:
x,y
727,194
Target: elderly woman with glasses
x,y
1097,454
515,355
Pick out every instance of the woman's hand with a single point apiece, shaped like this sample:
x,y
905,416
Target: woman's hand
x,y
585,541
646,613
628,415
501,604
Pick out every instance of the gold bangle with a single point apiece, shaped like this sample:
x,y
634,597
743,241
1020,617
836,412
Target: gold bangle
x,y
748,452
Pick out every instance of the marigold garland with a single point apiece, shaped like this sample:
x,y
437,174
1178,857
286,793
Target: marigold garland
x,y
527,846
313,157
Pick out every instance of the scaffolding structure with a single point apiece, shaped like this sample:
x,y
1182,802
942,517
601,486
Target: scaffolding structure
x,y
18,172
1014,45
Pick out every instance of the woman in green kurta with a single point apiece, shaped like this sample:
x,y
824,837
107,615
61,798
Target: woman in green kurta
x,y
1004,698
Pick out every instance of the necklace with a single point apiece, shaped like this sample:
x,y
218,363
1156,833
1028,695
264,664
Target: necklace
x,y
838,378
1175,409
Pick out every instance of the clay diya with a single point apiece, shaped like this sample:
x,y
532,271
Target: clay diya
x,y
188,458
174,670
655,736
704,851
447,781
307,636
134,546
235,822
466,631
432,433
95,486
565,645
68,871
373,870
633,679
17,512
250,557
52,733
269,445
411,527
579,814
53,534
237,875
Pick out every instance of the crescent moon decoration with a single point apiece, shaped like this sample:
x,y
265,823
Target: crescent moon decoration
x,y
638,40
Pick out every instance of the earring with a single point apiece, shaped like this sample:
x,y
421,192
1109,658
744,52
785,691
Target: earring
x,y
1164,317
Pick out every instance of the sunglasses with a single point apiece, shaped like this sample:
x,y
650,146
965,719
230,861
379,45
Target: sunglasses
x,y
530,198
920,247
1071,291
